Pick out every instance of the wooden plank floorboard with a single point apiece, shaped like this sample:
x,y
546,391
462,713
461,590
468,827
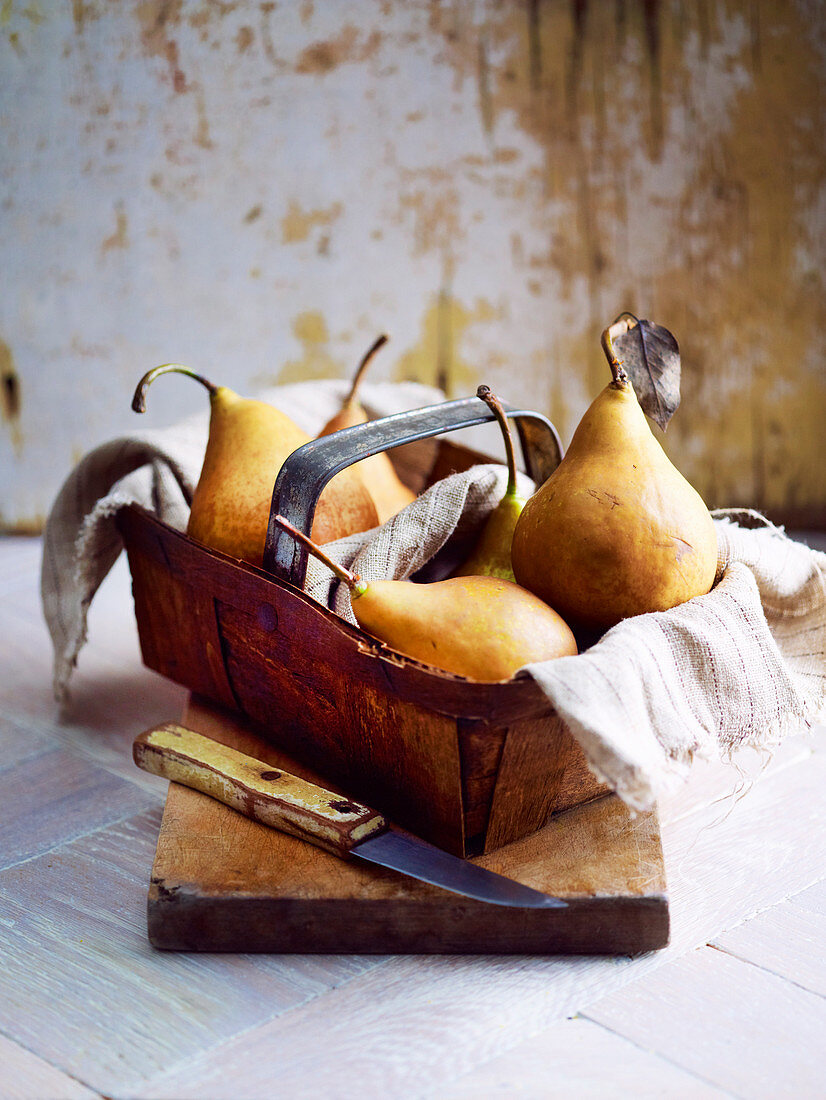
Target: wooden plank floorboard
x,y
57,796
731,1023
723,783
813,899
81,992
416,1025
579,1058
20,742
109,705
81,987
787,940
99,688
24,1076
725,865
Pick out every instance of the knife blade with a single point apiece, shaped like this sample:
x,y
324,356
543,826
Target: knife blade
x,y
337,824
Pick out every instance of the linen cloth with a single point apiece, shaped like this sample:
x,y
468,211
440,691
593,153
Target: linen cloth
x,y
743,665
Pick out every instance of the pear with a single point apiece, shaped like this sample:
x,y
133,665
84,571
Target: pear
x,y
389,493
483,628
491,556
247,445
616,530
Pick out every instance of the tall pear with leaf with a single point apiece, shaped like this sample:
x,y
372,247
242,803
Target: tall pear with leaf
x,y
491,556
616,530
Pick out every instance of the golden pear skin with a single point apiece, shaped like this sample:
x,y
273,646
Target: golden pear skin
x,y
248,442
247,445
387,490
616,530
483,628
491,556
384,485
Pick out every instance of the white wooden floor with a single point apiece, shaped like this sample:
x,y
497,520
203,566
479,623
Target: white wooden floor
x,y
734,1007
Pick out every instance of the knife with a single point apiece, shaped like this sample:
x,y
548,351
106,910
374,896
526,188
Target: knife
x,y
330,821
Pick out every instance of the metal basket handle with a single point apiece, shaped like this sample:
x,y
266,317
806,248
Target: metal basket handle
x,y
308,469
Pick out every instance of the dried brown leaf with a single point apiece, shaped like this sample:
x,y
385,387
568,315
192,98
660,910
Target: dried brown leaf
x,y
650,356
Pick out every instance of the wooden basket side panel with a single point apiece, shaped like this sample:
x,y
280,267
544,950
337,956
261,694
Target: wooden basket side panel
x,y
309,696
480,748
427,748
178,629
238,585
542,771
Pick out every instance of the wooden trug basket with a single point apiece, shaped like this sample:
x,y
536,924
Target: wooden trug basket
x,y
468,766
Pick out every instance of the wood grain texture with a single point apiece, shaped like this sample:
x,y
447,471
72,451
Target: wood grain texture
x,y
480,750
525,795
578,1058
247,589
732,1024
24,1076
81,987
273,797
724,783
55,797
19,742
385,750
734,853
419,1024
223,882
112,699
812,900
786,940
195,655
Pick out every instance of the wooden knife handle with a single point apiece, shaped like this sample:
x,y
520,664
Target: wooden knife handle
x,y
255,789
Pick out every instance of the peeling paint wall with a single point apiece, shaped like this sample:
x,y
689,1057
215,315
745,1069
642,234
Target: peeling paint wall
x,y
258,189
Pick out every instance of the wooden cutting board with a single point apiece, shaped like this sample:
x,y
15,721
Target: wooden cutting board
x,y
221,882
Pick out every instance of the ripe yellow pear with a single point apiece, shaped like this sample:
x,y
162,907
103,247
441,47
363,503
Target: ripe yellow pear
x,y
484,628
491,556
247,445
616,530
388,491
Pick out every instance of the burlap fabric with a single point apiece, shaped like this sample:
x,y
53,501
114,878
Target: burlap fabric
x,y
745,664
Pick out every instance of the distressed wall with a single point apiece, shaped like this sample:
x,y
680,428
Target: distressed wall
x,y
257,189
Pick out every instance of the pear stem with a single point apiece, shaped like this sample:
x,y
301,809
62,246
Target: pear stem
x,y
379,342
139,399
353,581
486,394
623,323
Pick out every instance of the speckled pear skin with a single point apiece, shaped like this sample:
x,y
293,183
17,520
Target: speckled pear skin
x,y
248,443
388,491
491,556
616,530
483,628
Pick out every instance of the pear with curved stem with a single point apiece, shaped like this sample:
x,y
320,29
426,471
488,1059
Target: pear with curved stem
x,y
388,491
491,556
616,530
483,628
247,445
